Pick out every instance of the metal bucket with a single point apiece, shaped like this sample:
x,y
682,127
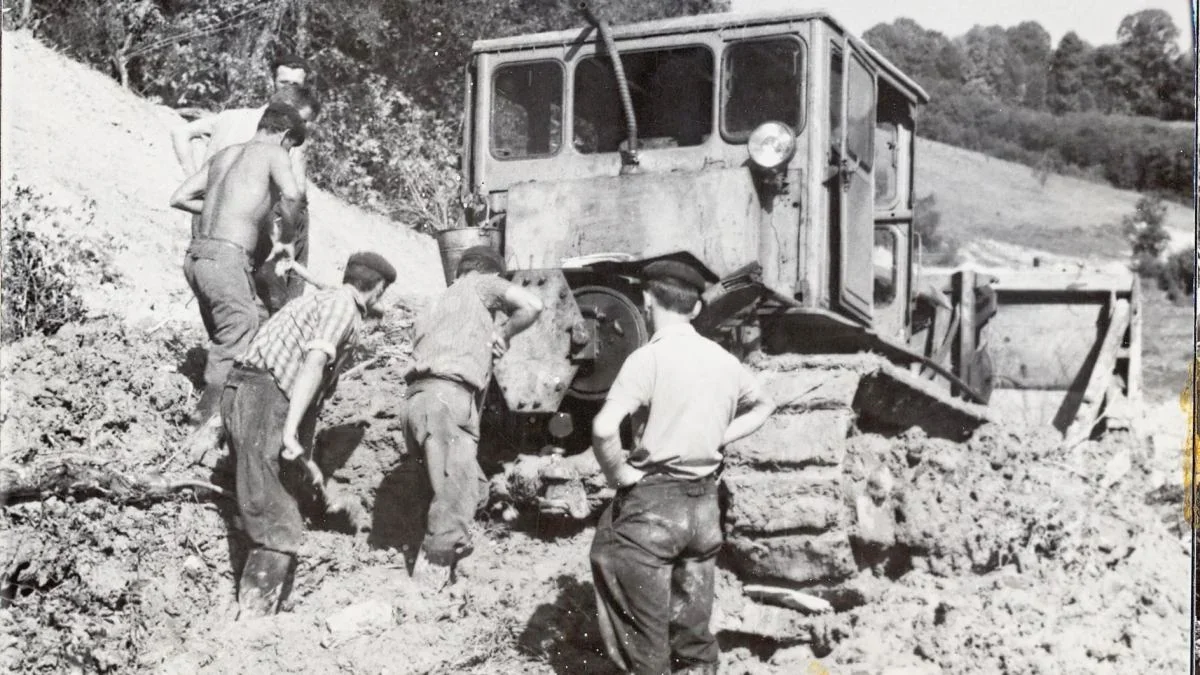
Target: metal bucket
x,y
452,243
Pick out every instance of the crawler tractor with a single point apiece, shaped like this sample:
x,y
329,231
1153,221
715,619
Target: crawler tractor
x,y
773,151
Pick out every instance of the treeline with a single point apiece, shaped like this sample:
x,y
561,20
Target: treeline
x,y
390,74
1115,112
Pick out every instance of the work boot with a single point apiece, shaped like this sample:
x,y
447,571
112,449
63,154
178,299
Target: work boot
x,y
432,574
264,577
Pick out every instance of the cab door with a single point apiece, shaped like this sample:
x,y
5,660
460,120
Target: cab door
x,y
852,129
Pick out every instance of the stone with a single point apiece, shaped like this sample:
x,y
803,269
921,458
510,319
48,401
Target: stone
x,y
360,618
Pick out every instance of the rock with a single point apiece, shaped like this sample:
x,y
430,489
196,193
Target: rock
x,y
796,658
360,618
764,503
194,566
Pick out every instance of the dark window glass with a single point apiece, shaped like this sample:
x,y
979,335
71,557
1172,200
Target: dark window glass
x,y
672,92
762,82
527,103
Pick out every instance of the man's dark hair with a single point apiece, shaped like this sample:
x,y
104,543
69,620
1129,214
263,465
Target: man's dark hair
x,y
673,295
290,60
298,98
481,259
281,117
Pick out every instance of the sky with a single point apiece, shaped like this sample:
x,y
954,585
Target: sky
x,y
1095,21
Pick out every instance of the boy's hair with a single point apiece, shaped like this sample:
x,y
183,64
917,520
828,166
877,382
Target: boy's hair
x,y
482,259
290,60
673,295
298,98
282,117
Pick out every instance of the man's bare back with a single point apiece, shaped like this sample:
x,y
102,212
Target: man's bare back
x,y
235,190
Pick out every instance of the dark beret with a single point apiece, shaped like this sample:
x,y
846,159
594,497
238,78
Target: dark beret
x,y
376,262
478,253
677,271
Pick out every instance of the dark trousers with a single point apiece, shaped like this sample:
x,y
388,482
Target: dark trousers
x,y
442,424
253,410
653,562
275,290
220,275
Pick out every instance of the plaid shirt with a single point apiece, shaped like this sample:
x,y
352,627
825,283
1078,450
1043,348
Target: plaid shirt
x,y
327,320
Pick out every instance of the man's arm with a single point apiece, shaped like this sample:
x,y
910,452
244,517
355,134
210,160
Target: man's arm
x,y
181,140
304,392
190,195
631,390
606,443
755,407
523,309
290,196
299,158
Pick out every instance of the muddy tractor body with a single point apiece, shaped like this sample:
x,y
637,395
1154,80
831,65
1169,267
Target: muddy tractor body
x,y
774,152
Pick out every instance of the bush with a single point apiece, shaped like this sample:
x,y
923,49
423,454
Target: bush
x,y
42,266
938,249
1178,275
1147,236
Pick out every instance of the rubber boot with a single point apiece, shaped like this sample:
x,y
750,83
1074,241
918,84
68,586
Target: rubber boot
x,y
262,583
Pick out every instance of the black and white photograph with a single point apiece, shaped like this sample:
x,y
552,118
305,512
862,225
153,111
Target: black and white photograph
x,y
561,337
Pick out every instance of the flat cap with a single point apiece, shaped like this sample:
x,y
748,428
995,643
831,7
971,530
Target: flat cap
x,y
375,262
483,253
679,272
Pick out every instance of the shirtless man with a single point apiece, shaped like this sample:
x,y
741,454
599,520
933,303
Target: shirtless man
x,y
238,125
233,193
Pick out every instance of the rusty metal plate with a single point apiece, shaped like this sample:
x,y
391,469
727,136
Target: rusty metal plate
x,y
536,372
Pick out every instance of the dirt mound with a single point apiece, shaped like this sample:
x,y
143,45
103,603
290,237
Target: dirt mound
x,y
77,136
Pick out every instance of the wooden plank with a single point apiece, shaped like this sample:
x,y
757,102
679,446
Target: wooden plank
x,y
964,291
1133,381
1101,374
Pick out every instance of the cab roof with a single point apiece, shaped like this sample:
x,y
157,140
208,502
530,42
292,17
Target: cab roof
x,y
696,24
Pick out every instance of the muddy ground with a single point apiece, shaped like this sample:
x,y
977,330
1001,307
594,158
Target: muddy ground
x,y
1016,555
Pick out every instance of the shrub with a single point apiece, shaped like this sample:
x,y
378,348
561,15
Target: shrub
x,y
938,249
43,266
1147,236
1178,275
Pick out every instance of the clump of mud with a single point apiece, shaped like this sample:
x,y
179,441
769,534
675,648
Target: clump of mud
x,y
1021,555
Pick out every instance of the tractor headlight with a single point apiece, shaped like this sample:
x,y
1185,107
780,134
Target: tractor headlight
x,y
771,145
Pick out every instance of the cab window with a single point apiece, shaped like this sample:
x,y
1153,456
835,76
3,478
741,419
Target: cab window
x,y
672,92
762,81
527,104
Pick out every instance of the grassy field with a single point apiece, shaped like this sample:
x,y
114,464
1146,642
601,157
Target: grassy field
x,y
984,197
1167,346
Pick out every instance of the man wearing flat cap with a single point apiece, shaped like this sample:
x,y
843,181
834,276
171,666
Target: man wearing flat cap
x,y
654,554
454,344
269,409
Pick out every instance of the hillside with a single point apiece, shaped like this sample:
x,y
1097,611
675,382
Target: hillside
x,y
78,136
982,198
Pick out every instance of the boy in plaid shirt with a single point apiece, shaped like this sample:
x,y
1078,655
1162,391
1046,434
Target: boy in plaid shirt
x,y
270,403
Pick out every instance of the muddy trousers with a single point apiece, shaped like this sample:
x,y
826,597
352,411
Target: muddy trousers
x,y
442,425
220,275
253,409
653,563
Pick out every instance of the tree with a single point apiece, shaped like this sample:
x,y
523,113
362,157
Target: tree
x,y
1067,85
993,66
1148,43
1031,42
923,54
